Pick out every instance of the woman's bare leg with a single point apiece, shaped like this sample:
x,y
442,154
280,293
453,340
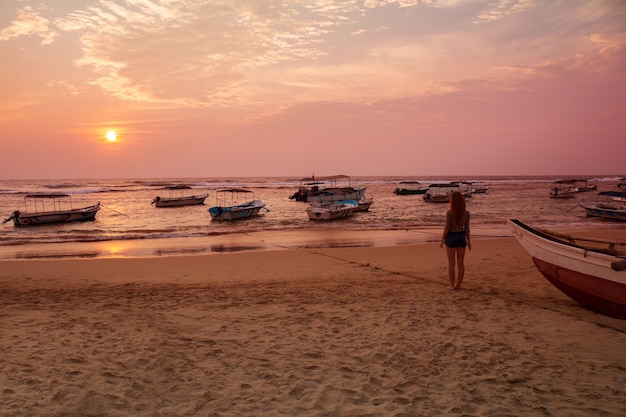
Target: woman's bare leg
x,y
451,252
460,258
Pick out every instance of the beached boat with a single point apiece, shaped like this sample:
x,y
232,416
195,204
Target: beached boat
x,y
229,205
327,189
610,205
410,188
51,209
594,277
331,210
564,189
178,196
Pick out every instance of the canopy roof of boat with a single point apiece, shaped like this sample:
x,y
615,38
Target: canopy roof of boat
x,y
326,178
409,182
177,187
619,194
234,190
47,195
566,181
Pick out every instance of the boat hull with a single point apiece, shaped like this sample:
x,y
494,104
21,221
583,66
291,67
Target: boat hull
x,y
330,195
331,211
180,201
582,274
410,191
55,217
596,210
237,212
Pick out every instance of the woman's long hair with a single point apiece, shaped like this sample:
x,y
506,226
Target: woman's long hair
x,y
457,207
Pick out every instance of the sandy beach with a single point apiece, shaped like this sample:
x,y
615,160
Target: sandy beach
x,y
352,331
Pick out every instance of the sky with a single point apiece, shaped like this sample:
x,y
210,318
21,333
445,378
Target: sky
x,y
248,88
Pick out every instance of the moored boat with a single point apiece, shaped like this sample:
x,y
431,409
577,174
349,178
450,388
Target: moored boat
x,y
229,206
178,198
364,204
440,193
594,277
610,205
410,188
564,189
59,210
331,210
339,187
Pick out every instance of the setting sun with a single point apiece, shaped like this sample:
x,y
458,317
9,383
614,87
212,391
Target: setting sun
x,y
111,136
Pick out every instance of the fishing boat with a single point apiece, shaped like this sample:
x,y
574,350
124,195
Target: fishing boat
x,y
178,196
564,189
440,193
235,204
331,210
328,189
51,208
478,187
610,205
410,188
364,204
589,274
587,185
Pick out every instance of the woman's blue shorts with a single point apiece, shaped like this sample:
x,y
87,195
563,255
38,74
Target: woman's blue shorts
x,y
456,240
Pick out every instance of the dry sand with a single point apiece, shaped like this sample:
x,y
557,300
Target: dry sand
x,y
317,332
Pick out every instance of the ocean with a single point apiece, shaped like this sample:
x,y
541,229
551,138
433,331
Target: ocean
x,y
127,214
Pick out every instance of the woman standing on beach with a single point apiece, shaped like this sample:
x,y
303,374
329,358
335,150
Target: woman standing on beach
x,y
456,237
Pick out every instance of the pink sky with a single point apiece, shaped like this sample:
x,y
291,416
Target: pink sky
x,y
290,88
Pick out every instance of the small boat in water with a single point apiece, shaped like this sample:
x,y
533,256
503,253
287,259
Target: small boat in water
x,y
178,198
364,204
440,193
331,210
229,205
610,205
564,189
59,210
589,274
410,188
339,188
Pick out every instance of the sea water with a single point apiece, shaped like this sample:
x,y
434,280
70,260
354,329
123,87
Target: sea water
x,y
128,215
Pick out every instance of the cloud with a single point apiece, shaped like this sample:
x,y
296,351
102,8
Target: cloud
x,y
29,23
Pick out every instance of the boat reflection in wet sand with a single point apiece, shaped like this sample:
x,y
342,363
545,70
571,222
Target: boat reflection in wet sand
x,y
59,210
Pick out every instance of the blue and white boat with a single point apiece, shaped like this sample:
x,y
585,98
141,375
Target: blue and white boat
x,y
610,205
331,210
235,204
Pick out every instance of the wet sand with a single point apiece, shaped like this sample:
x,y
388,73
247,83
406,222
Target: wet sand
x,y
311,331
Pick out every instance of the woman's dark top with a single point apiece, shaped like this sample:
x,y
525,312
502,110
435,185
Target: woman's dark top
x,y
457,238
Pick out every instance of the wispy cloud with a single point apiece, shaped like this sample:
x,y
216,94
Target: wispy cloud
x,y
251,52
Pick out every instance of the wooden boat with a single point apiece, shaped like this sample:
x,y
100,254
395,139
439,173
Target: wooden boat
x,y
312,189
410,188
177,197
228,206
592,276
610,205
564,189
440,193
331,210
364,204
478,187
587,185
59,210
